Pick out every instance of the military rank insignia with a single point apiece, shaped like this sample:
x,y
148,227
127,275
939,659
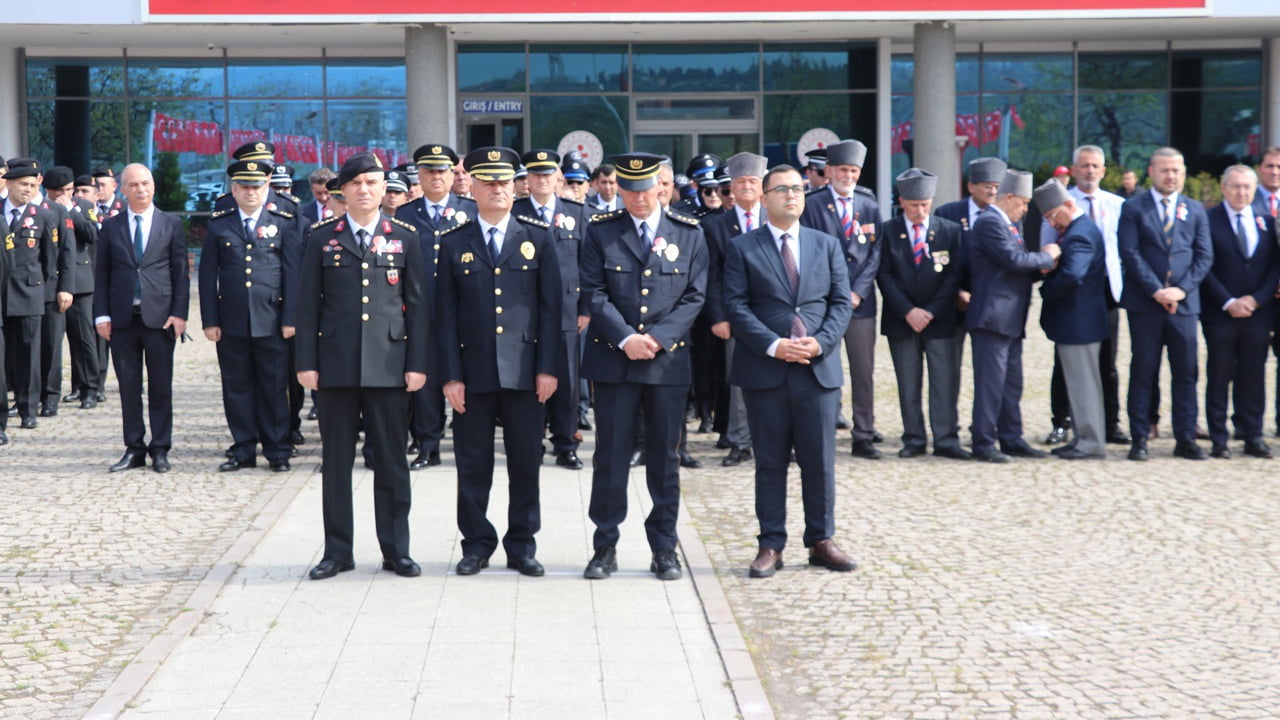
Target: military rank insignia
x,y
526,250
671,252
393,276
8,241
468,257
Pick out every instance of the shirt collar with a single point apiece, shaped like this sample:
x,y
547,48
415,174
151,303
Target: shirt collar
x,y
777,232
501,225
911,225
371,228
1247,212
9,207
652,221
1158,197
996,208
550,206
254,217
837,195
145,214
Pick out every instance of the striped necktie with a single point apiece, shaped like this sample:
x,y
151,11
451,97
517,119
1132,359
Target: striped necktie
x,y
1168,217
917,246
846,217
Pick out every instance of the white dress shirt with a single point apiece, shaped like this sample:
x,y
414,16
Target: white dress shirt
x,y
1250,233
500,238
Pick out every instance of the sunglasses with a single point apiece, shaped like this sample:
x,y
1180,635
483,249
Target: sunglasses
x,y
576,182
709,191
726,192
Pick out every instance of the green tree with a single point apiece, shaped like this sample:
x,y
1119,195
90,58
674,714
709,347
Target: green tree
x,y
171,192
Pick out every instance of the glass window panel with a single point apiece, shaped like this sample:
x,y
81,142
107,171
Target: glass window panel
x,y
1123,71
678,147
820,66
787,117
696,68
365,78
1217,69
1127,126
708,109
358,126
491,68
295,127
553,117
176,78
727,145
1216,128
902,72
1033,131
577,68
1010,72
84,134
184,144
69,76
275,78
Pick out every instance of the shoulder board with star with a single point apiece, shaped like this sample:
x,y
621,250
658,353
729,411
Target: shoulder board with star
x,y
446,231
281,213
532,221
690,221
289,196
221,213
324,222
602,217
403,224
568,201
223,195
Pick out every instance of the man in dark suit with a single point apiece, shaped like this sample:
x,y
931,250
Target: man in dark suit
x,y
361,342
435,213
34,231
1266,202
1002,270
7,252
644,274
74,298
787,297
604,189
855,219
499,340
919,278
566,221
317,209
248,291
1074,315
1166,251
1237,316
140,298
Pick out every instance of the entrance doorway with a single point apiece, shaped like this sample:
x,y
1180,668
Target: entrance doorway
x,y
487,131
681,127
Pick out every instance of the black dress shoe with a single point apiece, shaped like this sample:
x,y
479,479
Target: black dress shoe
x,y
293,451
71,397
736,456
603,564
568,459
876,437
954,453
1138,450
1257,448
28,423
637,458
88,404
1057,436
911,451
4,438
687,460
1022,449
131,459
279,465
472,564
992,456
315,413
413,449
722,443
48,410
404,567
526,566
1116,436
426,459
842,423
295,438
100,397
1188,450
1074,453
583,423
704,427
160,461
328,568
235,464
1220,451
864,449
665,565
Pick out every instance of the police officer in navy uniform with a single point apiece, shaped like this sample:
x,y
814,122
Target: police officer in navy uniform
x,y
34,233
7,252
264,152
498,297
248,287
702,174
644,274
362,342
436,212
79,238
566,218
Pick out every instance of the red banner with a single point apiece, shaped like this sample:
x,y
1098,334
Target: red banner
x,y
980,129
205,138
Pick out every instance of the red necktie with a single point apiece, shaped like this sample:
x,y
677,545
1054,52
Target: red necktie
x,y
846,217
1274,209
917,246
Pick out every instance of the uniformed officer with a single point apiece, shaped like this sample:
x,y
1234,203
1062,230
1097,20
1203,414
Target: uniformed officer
x,y
7,251
521,186
361,342
281,178
437,211
702,173
75,291
499,324
86,190
56,302
576,177
248,286
567,225
397,192
410,172
815,172
264,152
33,231
109,204
644,274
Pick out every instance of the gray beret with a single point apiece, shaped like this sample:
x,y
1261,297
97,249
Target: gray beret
x,y
1017,182
917,184
746,164
1050,195
987,169
847,152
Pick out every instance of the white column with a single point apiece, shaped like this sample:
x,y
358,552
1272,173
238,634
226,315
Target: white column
x,y
884,123
1271,94
430,85
12,105
934,125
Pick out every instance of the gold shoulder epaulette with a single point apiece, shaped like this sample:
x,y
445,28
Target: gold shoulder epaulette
x,y
220,213
403,224
690,221
282,213
455,227
532,221
601,217
324,222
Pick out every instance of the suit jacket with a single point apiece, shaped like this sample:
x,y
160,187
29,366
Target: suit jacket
x,y
498,324
862,251
1234,275
163,274
760,304
1260,204
249,285
311,212
957,211
931,285
1106,208
720,230
567,225
1151,264
79,241
1002,271
362,313
34,273
631,289
1075,293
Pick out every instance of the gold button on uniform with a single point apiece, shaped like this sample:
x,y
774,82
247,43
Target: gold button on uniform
x,y
499,330
248,271
364,266
647,273
248,284
248,258
618,268
640,326
644,308
498,310
365,299
497,291
497,271
249,246
365,317
644,291
365,282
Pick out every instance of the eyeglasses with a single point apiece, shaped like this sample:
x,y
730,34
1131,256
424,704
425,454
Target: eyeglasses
x,y
726,191
709,191
576,182
819,172
781,190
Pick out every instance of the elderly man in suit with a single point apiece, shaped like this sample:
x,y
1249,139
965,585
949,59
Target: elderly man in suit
x,y
140,299
1074,315
1166,250
787,297
1002,270
919,278
1238,311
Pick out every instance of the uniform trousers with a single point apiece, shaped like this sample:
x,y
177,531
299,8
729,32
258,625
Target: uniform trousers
x,y
255,395
52,330
22,335
82,342
1083,378
1237,361
562,407
909,356
133,348
426,415
1149,333
297,395
860,347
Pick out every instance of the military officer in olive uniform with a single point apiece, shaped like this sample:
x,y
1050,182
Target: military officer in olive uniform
x,y
644,274
248,287
498,298
362,342
263,152
33,231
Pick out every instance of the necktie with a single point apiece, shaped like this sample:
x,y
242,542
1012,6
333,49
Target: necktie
x,y
746,216
793,277
102,211
1168,217
1092,216
15,216
542,214
1274,208
137,255
363,236
1016,235
1241,236
644,236
493,245
917,245
248,228
436,211
846,217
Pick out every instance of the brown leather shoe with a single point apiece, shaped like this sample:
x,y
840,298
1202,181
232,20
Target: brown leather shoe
x,y
767,562
824,553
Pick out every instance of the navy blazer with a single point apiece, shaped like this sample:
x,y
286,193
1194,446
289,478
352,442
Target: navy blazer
x,y
1075,293
931,285
862,251
249,285
1233,275
1150,263
760,304
1002,271
720,230
567,226
166,284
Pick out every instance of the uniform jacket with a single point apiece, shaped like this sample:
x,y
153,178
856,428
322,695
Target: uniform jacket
x,y
567,226
351,342
163,274
278,198
720,230
1233,275
862,251
61,262
1075,293
249,285
1151,263
417,213
79,242
760,304
957,211
631,289
34,270
931,285
109,210
1002,270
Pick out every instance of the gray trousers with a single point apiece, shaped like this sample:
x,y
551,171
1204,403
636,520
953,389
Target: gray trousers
x,y
739,432
1083,377
860,348
909,355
